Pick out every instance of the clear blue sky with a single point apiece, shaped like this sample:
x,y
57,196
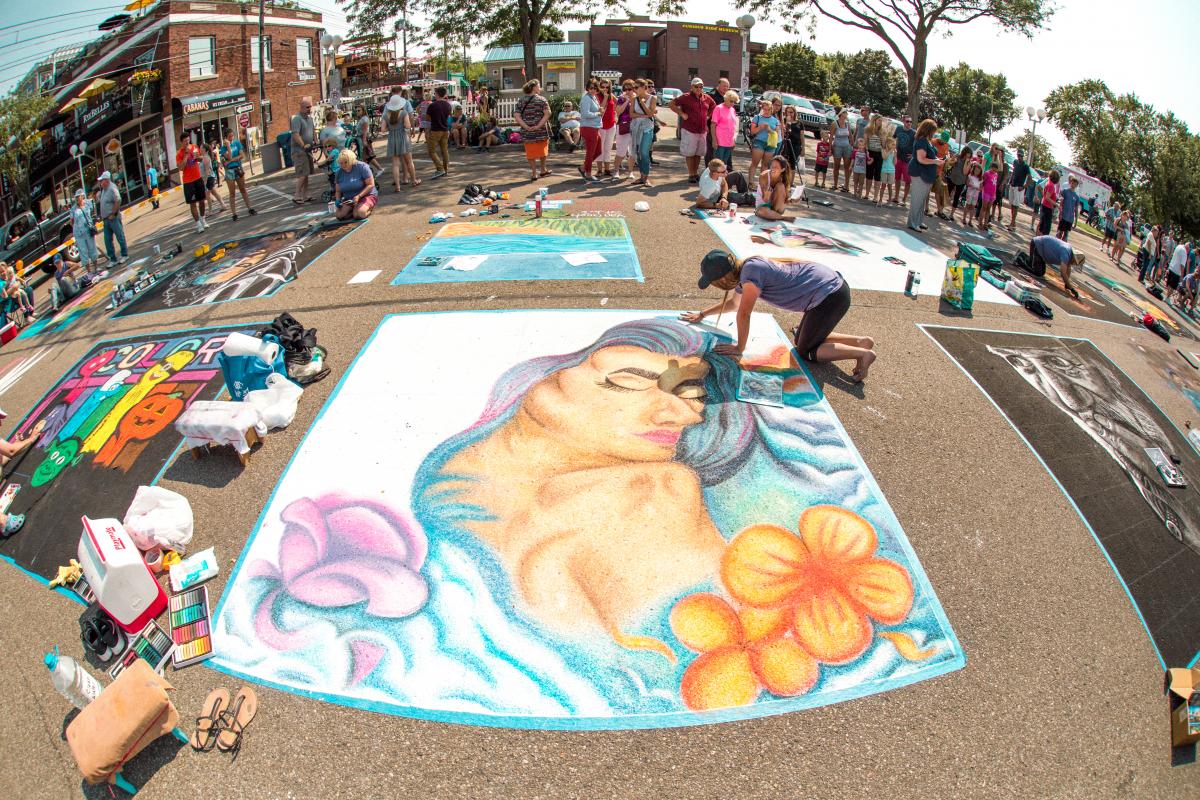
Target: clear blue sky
x,y
1146,48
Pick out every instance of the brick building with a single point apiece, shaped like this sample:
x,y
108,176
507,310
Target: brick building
x,y
181,67
668,52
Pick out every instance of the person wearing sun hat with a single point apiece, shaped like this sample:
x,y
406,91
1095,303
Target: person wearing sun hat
x,y
815,290
397,119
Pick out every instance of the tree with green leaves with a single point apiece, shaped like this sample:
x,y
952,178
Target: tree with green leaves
x,y
866,78
1111,135
1038,152
906,26
792,67
21,115
549,32
971,99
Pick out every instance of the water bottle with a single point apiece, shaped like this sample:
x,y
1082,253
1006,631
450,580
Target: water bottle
x,y
71,680
916,289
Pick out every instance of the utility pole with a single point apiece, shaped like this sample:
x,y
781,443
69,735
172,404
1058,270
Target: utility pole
x,y
262,92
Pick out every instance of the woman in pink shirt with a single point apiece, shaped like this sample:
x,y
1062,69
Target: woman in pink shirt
x,y
1049,202
724,120
608,127
987,193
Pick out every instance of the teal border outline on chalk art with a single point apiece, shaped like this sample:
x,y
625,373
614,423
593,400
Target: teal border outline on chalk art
x,y
1045,466
166,464
956,661
637,264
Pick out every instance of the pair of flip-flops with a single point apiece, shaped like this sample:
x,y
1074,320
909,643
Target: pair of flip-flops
x,y
222,723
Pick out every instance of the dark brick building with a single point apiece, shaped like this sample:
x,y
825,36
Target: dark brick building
x,y
667,52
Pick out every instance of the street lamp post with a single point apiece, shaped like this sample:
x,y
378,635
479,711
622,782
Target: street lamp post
x,y
333,84
1035,117
745,23
78,151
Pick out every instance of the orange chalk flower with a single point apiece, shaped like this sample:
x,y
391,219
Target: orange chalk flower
x,y
827,581
740,654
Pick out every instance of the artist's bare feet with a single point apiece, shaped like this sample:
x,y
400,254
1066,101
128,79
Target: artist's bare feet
x,y
863,367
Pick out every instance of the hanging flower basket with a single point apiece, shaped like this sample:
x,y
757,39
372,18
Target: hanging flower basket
x,y
144,76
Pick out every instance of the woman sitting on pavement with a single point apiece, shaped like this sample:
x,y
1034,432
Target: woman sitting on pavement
x,y
773,186
354,191
817,291
11,523
458,127
489,134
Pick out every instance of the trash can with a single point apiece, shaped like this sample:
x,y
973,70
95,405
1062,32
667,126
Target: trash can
x,y
272,160
284,140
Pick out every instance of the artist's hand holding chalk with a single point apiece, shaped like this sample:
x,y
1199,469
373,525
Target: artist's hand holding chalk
x,y
692,316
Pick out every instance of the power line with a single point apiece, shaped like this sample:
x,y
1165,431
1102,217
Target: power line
x,y
58,16
53,35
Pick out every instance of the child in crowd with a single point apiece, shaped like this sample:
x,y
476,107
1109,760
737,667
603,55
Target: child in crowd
x,y
859,161
824,148
987,191
887,174
331,151
974,186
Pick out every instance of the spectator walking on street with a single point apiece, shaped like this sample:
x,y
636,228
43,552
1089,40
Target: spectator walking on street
x,y
363,128
533,117
718,98
590,118
695,110
1049,204
1176,269
235,176
764,135
843,149
208,173
624,111
923,169
152,185
437,138
83,228
108,208
725,128
608,127
304,139
1070,208
1016,187
874,135
641,128
906,139
397,121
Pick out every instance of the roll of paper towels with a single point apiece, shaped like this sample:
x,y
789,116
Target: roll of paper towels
x,y
239,344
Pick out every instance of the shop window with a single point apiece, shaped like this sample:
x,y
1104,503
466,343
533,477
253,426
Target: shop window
x,y
643,48
724,45
254,53
693,43
202,52
614,47
304,59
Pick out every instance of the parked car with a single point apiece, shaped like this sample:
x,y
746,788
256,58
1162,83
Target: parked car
x,y
667,94
24,239
812,119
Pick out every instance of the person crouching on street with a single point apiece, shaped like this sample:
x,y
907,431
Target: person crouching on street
x,y
815,290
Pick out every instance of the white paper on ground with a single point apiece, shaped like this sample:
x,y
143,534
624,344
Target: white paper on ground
x,y
465,263
579,259
366,276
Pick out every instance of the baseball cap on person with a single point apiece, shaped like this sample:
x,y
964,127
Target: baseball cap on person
x,y
80,193
105,176
715,265
697,81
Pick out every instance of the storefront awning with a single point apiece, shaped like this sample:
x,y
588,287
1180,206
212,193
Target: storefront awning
x,y
210,101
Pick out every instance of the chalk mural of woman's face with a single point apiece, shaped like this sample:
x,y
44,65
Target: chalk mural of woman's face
x,y
623,403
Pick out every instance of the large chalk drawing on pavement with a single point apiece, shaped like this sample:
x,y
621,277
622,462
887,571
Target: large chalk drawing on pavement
x,y
525,250
257,266
594,535
1091,424
104,429
856,251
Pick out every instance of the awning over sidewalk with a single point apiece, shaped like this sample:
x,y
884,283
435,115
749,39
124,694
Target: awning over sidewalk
x,y
210,101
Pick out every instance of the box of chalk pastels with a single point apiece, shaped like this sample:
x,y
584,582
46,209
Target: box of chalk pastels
x,y
190,627
152,644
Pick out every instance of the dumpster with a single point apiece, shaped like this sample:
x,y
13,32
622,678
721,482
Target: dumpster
x,y
272,160
284,140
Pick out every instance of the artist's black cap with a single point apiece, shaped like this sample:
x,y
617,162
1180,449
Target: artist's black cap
x,y
716,264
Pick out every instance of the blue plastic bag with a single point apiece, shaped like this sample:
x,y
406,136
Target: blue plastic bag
x,y
245,374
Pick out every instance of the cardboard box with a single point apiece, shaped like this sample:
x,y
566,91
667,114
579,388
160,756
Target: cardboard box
x,y
1183,698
